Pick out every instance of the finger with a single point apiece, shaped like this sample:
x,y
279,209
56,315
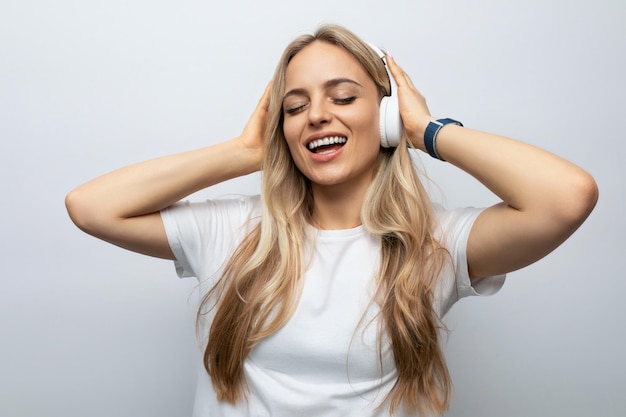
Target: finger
x,y
261,112
401,77
264,101
398,73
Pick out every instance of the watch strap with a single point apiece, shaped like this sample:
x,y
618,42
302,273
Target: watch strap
x,y
430,135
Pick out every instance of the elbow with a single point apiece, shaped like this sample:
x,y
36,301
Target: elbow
x,y
79,210
582,198
73,206
588,191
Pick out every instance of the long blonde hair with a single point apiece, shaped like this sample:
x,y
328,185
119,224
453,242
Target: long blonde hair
x,y
261,284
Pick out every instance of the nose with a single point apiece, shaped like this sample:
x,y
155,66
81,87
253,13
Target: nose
x,y
319,112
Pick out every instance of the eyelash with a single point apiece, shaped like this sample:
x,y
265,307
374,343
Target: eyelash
x,y
294,110
340,101
346,100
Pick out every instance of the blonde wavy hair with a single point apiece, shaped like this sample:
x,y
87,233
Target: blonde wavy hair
x,y
260,287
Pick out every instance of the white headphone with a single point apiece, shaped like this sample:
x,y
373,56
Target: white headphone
x,y
390,122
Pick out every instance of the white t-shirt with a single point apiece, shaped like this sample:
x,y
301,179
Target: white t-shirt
x,y
325,361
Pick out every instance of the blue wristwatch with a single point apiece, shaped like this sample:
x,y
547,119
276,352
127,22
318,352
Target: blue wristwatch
x,y
430,135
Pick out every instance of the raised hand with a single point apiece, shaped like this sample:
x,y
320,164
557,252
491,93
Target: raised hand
x,y
253,135
413,108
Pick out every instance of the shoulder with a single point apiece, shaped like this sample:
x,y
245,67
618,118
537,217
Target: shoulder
x,y
202,234
452,228
450,225
230,210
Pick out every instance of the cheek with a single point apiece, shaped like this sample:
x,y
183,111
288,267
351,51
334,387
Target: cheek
x,y
368,125
290,130
292,136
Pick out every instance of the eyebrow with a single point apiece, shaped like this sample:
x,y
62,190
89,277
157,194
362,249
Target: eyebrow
x,y
328,84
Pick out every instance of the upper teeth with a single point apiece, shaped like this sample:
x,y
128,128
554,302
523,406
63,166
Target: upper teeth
x,y
326,141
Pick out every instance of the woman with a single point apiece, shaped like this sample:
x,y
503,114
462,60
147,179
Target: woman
x,y
324,296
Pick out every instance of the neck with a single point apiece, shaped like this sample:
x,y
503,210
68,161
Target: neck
x,y
337,207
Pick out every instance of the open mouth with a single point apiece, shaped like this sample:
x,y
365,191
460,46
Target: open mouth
x,y
329,144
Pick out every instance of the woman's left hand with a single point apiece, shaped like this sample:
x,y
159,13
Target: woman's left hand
x,y
544,198
413,108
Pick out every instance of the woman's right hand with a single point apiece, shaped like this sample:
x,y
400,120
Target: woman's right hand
x,y
253,135
122,207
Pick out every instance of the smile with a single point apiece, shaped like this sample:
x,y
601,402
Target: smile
x,y
321,145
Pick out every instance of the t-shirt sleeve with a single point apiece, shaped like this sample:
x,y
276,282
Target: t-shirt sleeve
x,y
453,229
203,235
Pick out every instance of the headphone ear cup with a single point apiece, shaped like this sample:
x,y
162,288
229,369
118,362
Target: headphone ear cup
x,y
390,122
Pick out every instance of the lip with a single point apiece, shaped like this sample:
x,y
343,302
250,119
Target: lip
x,y
322,135
324,157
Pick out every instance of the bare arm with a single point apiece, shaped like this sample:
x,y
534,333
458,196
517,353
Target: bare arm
x,y
122,207
544,197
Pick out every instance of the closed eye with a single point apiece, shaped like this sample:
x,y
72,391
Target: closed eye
x,y
341,101
296,109
346,100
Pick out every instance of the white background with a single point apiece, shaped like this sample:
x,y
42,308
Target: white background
x,y
88,329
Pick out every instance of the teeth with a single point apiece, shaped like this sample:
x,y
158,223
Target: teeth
x,y
326,141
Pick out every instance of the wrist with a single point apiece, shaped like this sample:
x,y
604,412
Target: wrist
x,y
247,158
432,132
417,130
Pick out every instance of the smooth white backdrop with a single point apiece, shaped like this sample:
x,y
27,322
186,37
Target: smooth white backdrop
x,y
87,329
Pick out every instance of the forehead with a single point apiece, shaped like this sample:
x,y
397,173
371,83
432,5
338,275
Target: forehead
x,y
319,62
